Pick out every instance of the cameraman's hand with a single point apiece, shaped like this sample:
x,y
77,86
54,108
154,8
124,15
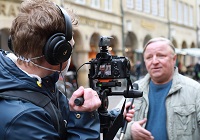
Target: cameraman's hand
x,y
130,113
91,100
140,133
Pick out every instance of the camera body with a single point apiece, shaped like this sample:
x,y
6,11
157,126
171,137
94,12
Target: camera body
x,y
115,68
107,66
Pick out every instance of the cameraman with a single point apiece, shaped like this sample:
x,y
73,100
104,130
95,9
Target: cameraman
x,y
41,38
37,21
170,106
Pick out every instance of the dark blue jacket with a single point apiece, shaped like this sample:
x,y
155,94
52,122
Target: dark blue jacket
x,y
21,120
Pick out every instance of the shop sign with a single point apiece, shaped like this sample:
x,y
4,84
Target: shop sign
x,y
8,9
94,23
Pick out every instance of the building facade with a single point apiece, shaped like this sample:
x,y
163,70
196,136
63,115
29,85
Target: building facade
x,y
173,19
131,23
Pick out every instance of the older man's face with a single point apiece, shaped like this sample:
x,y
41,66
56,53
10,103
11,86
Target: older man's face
x,y
160,61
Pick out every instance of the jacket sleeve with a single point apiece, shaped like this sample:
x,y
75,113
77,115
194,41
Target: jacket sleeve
x,y
31,124
83,126
198,107
34,123
80,125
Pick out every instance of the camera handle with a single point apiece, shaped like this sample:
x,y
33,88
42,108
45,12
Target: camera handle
x,y
109,124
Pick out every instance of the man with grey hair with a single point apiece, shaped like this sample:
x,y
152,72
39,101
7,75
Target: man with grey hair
x,y
167,41
170,106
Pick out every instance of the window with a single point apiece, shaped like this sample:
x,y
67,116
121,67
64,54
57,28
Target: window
x,y
95,3
147,6
108,5
139,5
129,4
173,12
180,10
161,8
129,25
80,1
185,14
191,16
154,7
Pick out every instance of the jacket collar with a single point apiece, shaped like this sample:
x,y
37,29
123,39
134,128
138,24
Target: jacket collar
x,y
144,83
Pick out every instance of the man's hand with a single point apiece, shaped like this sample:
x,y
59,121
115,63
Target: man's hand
x,y
91,100
140,133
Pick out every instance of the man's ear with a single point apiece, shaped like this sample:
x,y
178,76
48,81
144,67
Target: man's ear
x,y
174,59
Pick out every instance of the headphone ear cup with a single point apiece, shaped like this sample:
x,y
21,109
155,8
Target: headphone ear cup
x,y
57,49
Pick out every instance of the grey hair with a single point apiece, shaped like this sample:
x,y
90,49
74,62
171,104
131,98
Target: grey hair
x,y
160,39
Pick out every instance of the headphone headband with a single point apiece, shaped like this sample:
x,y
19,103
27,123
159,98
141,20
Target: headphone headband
x,y
68,24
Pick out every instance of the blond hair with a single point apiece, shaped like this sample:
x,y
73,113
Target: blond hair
x,y
160,39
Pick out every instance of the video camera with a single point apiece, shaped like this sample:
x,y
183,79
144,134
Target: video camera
x,y
104,72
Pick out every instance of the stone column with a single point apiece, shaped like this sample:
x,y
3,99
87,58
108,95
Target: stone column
x,y
81,58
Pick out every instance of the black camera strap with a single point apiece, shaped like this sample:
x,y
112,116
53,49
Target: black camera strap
x,y
40,100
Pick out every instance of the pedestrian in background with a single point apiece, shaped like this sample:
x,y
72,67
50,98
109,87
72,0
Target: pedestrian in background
x,y
138,69
197,70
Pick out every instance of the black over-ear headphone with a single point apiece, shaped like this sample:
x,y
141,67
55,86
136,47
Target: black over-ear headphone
x,y
57,48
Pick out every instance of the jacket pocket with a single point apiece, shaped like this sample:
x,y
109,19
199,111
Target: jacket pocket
x,y
139,110
184,121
